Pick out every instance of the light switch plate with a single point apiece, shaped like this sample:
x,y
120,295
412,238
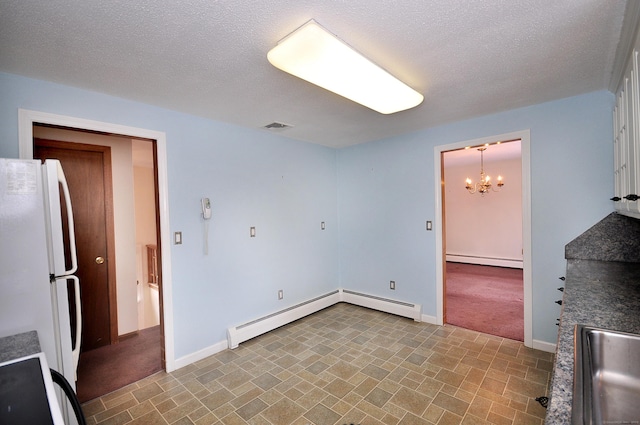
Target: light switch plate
x,y
177,238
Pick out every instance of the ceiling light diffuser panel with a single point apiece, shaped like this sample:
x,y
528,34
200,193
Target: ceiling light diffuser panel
x,y
319,57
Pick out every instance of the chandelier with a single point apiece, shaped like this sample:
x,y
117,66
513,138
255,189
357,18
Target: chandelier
x,y
484,185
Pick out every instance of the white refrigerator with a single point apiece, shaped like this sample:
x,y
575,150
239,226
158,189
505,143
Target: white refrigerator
x,y
33,276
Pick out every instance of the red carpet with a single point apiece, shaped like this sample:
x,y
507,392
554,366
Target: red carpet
x,y
112,367
485,299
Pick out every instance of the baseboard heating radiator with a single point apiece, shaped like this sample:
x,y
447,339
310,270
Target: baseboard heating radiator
x,y
399,308
249,330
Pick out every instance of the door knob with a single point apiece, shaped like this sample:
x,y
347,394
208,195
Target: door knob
x,y
99,260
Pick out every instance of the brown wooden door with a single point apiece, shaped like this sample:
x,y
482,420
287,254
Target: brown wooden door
x,y
88,172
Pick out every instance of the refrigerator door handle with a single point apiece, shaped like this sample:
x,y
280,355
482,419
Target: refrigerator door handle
x,y
76,348
71,229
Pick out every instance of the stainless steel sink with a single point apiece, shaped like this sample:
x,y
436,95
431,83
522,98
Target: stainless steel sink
x,y
606,381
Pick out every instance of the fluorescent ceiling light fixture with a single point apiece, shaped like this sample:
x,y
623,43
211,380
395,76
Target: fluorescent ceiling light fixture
x,y
319,57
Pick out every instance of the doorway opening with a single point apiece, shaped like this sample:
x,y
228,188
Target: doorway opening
x,y
483,277
114,196
440,226
27,119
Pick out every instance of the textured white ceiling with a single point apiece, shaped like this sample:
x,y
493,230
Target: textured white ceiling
x,y
208,58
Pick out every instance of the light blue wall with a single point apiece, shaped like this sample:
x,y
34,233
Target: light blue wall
x,y
386,193
282,187
382,193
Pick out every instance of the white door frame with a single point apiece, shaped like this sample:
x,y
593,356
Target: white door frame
x,y
26,120
524,137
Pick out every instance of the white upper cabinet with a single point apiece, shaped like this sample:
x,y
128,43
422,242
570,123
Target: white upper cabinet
x,y
626,142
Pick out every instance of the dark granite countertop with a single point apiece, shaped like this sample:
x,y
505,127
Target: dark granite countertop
x,y
614,238
600,294
20,345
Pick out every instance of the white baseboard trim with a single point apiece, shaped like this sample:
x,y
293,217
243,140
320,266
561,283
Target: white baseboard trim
x,y
429,319
273,321
223,345
485,261
544,346
199,355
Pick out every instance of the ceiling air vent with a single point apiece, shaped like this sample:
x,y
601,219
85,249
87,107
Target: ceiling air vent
x,y
277,126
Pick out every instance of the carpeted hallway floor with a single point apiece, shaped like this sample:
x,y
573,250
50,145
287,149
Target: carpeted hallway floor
x,y
485,299
109,368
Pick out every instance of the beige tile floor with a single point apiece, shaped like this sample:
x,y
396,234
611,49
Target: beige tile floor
x,y
345,365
